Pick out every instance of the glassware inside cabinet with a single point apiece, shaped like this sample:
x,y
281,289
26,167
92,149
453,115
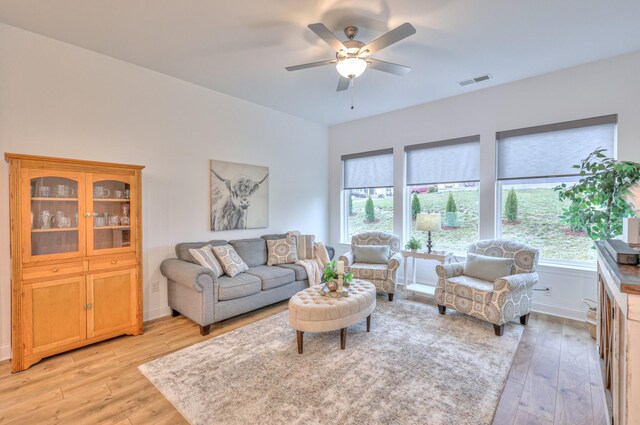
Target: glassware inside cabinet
x,y
111,214
54,215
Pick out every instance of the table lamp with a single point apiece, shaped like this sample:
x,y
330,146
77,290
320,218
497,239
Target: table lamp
x,y
430,222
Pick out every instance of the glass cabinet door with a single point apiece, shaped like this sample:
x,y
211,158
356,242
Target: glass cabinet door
x,y
111,221
54,226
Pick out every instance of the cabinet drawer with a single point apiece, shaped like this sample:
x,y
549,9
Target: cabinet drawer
x,y
109,263
52,270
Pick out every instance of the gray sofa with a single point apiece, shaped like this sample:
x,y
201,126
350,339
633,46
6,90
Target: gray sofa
x,y
195,292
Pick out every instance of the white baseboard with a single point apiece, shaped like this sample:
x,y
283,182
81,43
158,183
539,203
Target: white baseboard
x,y
5,352
156,313
559,311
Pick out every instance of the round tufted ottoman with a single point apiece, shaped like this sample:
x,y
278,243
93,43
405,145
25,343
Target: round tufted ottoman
x,y
309,311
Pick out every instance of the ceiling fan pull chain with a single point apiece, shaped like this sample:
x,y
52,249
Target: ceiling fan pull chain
x,y
353,82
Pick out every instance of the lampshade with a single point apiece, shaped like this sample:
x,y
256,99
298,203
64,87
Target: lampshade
x,y
428,222
351,67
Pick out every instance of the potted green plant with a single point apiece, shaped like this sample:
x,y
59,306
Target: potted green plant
x,y
413,244
330,273
597,205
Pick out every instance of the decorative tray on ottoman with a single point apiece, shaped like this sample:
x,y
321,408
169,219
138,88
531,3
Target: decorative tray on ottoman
x,y
325,292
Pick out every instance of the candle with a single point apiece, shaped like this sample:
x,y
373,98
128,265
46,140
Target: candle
x,y
340,267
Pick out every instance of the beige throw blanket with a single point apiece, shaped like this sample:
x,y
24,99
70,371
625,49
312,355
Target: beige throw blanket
x,y
315,267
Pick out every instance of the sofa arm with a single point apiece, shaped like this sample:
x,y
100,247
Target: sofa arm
x,y
394,261
516,281
446,271
187,274
347,258
331,251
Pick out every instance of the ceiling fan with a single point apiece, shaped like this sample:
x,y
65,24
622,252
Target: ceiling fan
x,y
353,56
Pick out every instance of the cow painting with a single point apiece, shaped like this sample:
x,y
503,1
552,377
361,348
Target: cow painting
x,y
239,196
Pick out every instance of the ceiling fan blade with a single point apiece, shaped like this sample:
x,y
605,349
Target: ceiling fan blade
x,y
325,33
311,65
391,68
343,83
386,40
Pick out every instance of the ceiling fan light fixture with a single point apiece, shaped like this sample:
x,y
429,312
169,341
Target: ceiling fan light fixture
x,y
351,67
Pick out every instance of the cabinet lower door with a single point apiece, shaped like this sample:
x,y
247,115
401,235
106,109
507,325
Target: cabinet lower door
x,y
54,313
113,301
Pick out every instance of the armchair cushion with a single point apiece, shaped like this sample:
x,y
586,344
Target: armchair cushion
x,y
372,254
487,268
470,288
368,271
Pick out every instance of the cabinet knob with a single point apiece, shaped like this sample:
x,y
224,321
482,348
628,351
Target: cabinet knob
x,y
114,262
55,269
87,214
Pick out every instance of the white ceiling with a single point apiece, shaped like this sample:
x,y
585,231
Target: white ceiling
x,y
241,47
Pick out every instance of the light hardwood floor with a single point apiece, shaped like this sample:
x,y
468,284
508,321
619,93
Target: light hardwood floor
x,y
554,378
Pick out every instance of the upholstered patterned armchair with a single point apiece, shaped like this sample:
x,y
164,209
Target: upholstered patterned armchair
x,y
383,276
499,301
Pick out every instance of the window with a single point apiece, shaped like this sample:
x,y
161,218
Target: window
x,y
442,177
367,187
531,162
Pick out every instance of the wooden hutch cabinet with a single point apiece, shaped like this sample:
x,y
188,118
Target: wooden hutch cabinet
x,y
619,337
76,254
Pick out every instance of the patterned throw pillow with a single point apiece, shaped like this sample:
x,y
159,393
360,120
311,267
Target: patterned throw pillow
x,y
306,246
231,262
205,257
282,251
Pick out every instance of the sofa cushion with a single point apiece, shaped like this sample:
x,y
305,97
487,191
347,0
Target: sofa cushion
x,y
487,268
242,285
300,272
230,260
372,254
274,236
252,251
272,277
368,271
470,288
282,251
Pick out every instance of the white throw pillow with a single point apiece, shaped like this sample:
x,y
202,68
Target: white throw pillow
x,y
206,258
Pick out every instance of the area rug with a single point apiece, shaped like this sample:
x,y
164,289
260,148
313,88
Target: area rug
x,y
415,367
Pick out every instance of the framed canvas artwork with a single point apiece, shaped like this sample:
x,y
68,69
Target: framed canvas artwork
x,y
239,196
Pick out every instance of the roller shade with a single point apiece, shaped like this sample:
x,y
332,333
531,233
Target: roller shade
x,y
447,161
368,169
552,150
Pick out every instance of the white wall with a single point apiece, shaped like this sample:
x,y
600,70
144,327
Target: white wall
x,y
600,88
61,100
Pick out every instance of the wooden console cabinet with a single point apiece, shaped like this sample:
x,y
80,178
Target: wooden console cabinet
x,y
619,337
76,254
